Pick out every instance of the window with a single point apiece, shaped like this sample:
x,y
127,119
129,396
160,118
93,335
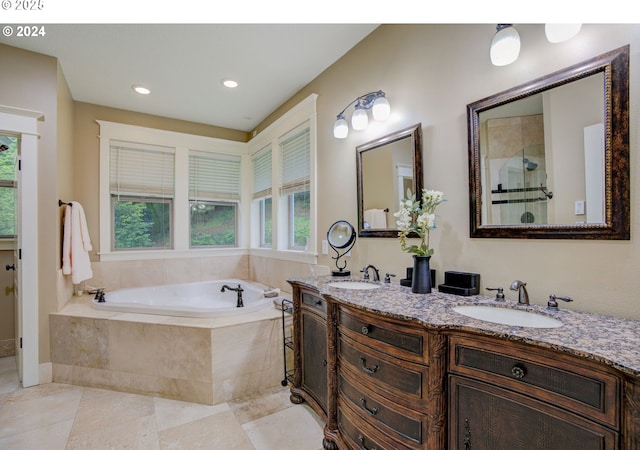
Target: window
x,y
214,194
8,154
295,185
262,195
142,188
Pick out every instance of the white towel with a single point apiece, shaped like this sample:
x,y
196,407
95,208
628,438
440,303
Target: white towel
x,y
376,218
76,244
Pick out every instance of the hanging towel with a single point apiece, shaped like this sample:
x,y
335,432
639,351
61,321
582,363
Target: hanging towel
x,y
376,218
76,244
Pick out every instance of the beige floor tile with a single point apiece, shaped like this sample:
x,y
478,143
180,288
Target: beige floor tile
x,y
100,408
52,437
134,434
21,416
173,413
292,428
252,408
218,432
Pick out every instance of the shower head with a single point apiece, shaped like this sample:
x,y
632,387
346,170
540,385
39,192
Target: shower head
x,y
529,165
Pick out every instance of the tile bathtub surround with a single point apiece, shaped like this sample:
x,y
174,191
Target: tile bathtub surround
x,y
204,360
58,417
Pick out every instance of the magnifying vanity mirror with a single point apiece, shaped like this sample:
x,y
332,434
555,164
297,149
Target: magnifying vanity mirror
x,y
550,158
341,237
386,167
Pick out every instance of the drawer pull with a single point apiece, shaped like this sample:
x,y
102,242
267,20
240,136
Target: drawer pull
x,y
371,411
518,371
369,370
324,363
362,447
365,329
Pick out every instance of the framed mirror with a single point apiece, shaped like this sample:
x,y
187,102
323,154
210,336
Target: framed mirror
x,y
386,167
550,158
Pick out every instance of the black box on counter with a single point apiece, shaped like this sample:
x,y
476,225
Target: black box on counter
x,y
460,283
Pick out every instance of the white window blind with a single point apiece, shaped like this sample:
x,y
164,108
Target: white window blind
x,y
137,169
295,160
262,173
213,176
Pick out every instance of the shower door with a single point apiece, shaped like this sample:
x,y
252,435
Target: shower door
x,y
523,181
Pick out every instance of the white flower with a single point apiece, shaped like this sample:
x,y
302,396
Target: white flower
x,y
419,218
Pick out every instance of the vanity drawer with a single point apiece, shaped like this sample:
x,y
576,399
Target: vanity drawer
x,y
360,435
402,424
398,380
315,303
395,338
560,379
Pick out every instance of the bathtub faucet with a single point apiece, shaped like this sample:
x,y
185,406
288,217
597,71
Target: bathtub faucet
x,y
239,290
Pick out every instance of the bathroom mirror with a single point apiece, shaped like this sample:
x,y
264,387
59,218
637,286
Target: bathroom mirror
x,y
341,237
386,167
550,158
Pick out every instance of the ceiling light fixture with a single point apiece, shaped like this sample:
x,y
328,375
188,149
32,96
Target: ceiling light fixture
x,y
375,101
505,46
229,83
141,89
560,32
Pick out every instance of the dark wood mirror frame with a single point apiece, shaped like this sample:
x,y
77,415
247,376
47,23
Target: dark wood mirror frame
x,y
415,134
615,67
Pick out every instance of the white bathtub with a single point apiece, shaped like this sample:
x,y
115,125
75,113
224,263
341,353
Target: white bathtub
x,y
203,299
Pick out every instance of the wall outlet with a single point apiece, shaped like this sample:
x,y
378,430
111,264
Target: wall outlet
x,y
579,207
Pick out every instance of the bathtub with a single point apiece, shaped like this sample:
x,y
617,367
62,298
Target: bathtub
x,y
203,299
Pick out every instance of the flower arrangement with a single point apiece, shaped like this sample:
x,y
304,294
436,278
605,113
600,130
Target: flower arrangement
x,y
418,217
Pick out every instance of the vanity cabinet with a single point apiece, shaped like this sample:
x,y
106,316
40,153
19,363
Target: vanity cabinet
x,y
388,386
506,395
310,349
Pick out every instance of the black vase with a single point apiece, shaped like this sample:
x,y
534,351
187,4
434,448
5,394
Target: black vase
x,y
421,278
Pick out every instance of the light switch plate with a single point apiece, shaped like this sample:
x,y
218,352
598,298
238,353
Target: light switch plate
x,y
579,207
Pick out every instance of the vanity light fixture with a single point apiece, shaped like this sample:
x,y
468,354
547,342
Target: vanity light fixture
x,y
505,46
375,101
141,89
560,32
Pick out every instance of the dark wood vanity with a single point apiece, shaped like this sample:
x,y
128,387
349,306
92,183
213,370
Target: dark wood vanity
x,y
385,381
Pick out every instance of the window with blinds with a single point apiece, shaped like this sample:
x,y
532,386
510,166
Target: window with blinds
x,y
295,153
214,193
262,170
142,187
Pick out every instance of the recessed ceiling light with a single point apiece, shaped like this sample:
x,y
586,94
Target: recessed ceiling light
x,y
229,83
141,89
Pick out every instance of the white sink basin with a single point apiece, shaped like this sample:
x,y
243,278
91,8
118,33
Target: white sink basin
x,y
362,285
507,316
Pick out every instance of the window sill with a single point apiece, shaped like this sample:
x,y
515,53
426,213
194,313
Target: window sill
x,y
8,244
134,255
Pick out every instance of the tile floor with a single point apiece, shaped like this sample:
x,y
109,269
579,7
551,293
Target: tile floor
x,y
60,416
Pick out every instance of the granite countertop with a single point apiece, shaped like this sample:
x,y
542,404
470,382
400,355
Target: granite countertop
x,y
614,341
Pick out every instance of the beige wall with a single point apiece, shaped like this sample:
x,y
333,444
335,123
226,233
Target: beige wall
x,y
430,73
31,81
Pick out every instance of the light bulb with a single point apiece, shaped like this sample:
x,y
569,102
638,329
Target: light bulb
x,y
505,46
560,32
359,119
340,128
381,109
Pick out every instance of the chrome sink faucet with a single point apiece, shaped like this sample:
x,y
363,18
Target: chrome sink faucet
x,y
376,273
523,295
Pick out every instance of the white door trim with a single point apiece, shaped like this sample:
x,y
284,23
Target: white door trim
x,y
25,124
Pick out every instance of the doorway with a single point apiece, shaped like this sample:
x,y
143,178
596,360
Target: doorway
x,y
20,128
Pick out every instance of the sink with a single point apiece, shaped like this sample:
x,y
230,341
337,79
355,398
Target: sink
x,y
362,285
506,316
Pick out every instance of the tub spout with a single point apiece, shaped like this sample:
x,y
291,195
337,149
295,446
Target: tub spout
x,y
238,290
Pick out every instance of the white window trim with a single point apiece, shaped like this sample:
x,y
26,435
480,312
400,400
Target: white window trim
x,y
303,111
182,143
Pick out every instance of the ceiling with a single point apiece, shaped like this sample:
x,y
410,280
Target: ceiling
x,y
183,65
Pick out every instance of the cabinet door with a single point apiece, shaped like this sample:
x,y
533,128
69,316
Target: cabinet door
x,y
314,357
486,417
